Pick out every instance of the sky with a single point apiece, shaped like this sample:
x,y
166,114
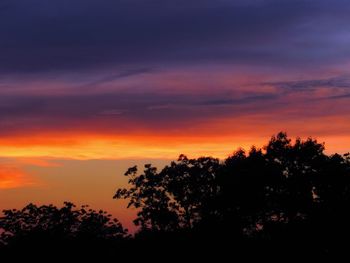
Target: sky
x,y
91,87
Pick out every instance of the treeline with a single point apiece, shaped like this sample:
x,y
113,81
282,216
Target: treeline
x,y
287,198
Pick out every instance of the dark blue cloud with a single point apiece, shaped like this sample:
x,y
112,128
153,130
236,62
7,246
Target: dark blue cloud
x,y
344,96
312,84
66,35
258,98
117,111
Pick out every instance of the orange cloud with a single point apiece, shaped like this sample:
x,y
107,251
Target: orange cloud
x,y
37,162
217,138
13,177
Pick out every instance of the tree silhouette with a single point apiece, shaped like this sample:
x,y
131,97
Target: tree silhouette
x,y
286,198
285,193
67,229
176,197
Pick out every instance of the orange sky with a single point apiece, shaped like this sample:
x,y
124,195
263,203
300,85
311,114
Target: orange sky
x,y
87,169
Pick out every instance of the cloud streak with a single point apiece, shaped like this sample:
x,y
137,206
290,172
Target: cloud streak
x,y
12,177
333,82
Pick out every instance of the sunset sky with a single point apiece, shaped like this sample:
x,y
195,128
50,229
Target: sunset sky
x,y
91,87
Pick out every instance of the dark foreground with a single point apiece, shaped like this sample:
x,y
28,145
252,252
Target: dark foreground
x,y
288,200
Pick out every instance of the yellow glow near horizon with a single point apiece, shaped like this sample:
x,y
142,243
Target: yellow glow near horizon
x,y
100,148
85,147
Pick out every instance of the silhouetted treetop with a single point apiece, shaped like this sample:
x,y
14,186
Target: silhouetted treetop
x,y
49,222
176,197
262,193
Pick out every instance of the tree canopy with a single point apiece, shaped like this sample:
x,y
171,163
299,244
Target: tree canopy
x,y
58,230
284,191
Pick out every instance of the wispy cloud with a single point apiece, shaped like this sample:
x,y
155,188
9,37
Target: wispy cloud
x,y
239,101
14,177
342,96
37,162
311,84
113,77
